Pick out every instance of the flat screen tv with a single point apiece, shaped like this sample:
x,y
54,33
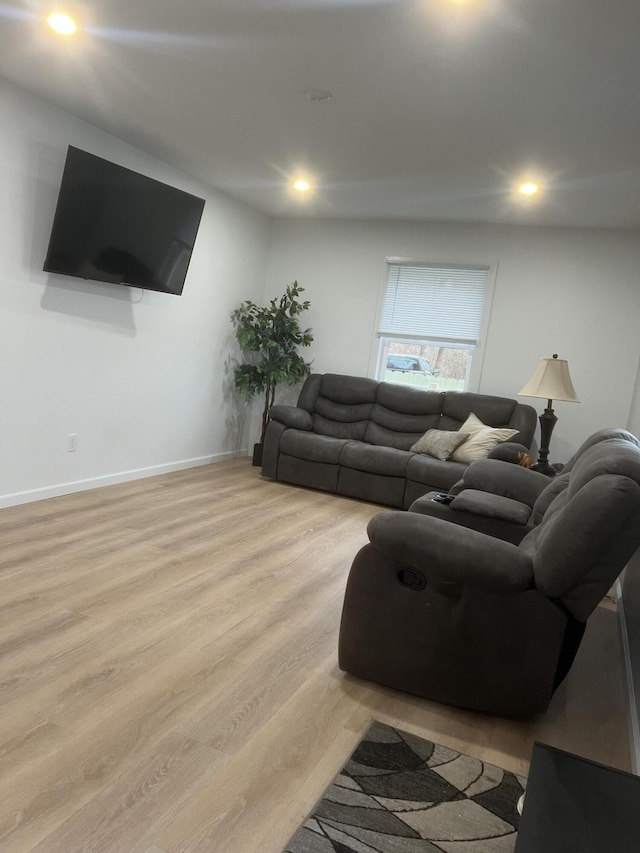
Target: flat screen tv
x,y
115,225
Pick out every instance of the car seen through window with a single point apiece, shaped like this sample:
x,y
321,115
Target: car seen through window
x,y
409,363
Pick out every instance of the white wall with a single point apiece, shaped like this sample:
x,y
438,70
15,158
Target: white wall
x,y
634,417
571,291
145,384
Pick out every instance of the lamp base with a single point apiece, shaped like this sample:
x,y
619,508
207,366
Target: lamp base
x,y
547,422
543,467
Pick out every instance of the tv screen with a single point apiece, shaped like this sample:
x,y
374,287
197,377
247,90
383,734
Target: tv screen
x,y
112,224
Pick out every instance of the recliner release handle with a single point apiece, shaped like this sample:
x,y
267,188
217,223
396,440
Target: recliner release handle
x,y
412,579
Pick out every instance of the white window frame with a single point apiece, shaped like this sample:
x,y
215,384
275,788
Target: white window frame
x,y
477,361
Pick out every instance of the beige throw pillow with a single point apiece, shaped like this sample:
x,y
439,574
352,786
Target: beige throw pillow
x,y
439,443
482,439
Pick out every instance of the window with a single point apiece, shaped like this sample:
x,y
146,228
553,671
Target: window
x,y
430,323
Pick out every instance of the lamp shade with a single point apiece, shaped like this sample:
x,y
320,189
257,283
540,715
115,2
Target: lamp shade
x,y
551,381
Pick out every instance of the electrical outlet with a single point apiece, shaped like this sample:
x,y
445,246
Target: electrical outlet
x,y
72,442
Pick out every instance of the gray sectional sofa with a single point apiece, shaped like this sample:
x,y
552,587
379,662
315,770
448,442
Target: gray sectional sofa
x,y
352,436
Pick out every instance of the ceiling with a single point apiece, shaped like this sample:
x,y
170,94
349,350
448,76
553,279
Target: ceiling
x,y
438,107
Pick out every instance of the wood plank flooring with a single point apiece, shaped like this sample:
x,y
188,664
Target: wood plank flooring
x,y
168,668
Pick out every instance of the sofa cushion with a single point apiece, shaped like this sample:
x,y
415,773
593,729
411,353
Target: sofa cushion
x,y
382,437
401,423
350,390
409,400
375,460
342,406
482,439
310,446
354,430
402,414
439,443
433,472
345,413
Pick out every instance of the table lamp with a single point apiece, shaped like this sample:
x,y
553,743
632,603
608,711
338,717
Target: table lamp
x,y
551,381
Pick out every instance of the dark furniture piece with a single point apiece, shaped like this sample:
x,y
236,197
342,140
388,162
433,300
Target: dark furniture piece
x,y
470,618
504,500
352,436
573,805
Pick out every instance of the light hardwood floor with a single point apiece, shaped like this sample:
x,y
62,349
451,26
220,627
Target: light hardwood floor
x,y
169,676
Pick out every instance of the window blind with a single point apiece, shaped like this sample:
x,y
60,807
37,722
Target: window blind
x,y
434,301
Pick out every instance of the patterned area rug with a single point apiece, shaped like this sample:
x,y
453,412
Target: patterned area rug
x,y
401,794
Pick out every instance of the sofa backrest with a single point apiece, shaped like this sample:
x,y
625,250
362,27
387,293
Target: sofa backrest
x,y
596,438
339,405
393,415
561,482
402,414
590,529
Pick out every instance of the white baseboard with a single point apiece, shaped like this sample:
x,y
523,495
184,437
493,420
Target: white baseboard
x,y
110,479
634,722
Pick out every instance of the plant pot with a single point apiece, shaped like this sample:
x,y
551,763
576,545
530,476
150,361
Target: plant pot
x,y
257,454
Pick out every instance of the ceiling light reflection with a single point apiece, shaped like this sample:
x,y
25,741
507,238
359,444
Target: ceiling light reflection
x,y
62,24
528,188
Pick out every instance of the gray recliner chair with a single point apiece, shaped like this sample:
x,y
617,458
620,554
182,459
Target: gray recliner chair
x,y
504,500
488,613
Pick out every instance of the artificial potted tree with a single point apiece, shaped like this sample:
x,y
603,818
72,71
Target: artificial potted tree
x,y
270,336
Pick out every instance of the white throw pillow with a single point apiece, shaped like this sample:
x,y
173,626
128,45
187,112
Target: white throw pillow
x,y
482,439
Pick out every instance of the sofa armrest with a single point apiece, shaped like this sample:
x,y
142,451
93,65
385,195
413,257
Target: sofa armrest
x,y
525,419
508,451
291,416
504,478
451,554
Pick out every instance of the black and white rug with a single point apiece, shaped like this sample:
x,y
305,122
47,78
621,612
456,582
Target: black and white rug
x,y
401,794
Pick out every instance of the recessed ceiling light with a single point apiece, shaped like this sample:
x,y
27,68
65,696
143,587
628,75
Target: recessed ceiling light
x,y
317,94
528,188
62,23
301,185
461,5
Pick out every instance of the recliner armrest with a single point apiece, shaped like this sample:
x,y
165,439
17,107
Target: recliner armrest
x,y
450,553
504,478
291,416
492,506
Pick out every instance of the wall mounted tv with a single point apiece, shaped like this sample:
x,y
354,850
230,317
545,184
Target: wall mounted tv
x,y
112,224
